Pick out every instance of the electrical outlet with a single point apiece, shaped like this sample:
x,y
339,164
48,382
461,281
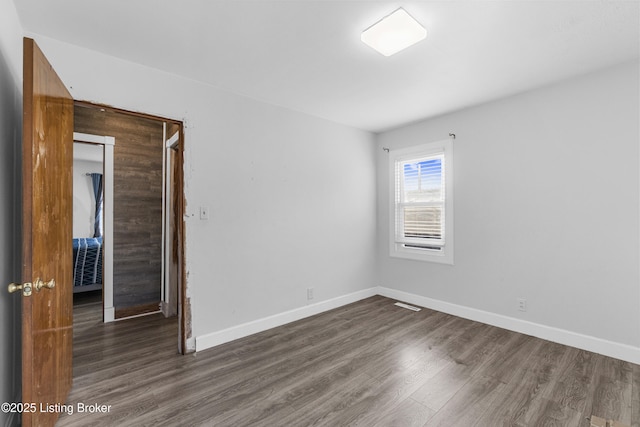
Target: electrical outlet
x,y
204,212
522,304
309,293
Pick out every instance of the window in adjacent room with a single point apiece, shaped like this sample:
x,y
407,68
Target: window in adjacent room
x,y
421,218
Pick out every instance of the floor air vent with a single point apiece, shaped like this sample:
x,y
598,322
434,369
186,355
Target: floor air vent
x,y
407,306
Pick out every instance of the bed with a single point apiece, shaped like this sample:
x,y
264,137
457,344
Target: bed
x,y
87,264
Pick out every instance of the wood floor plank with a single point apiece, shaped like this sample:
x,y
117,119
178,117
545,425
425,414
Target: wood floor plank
x,y
516,355
474,358
333,410
324,381
555,414
572,386
611,390
395,390
408,413
436,392
469,404
407,348
286,369
524,395
369,363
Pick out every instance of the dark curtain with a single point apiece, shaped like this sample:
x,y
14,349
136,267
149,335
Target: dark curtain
x,y
96,180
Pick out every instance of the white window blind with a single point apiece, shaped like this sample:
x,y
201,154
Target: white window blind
x,y
420,201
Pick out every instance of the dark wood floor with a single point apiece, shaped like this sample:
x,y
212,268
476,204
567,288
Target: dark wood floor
x,y
369,363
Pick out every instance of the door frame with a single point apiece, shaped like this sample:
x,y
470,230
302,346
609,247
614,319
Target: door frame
x,y
108,143
170,143
184,308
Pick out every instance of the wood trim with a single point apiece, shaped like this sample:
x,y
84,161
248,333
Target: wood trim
x,y
185,318
137,310
106,107
184,306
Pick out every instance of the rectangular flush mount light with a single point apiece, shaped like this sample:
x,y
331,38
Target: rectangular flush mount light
x,y
393,33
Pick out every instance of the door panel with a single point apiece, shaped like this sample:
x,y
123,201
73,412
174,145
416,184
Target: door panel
x,y
47,317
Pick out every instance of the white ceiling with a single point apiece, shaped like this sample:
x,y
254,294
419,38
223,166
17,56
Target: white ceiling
x,y
307,54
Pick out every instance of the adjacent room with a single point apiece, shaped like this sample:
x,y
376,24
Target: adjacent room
x,y
478,164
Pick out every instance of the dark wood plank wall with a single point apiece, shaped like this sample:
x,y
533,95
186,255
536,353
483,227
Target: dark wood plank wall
x,y
138,181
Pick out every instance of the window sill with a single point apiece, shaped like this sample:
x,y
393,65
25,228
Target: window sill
x,y
441,257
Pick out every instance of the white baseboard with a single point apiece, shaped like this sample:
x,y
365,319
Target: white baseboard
x,y
561,336
216,338
148,313
109,314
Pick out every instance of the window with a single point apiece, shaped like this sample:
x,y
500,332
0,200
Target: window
x,y
421,217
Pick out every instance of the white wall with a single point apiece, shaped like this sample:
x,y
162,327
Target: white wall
x,y
291,197
83,198
546,208
293,201
10,183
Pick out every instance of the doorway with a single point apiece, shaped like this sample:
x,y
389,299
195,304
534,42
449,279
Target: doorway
x,y
143,242
46,234
93,221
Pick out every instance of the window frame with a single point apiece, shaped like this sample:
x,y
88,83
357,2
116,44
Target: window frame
x,y
441,250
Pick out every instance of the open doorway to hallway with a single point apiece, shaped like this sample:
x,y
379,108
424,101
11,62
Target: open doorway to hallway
x,y
142,213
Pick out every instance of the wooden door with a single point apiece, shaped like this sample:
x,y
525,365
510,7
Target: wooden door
x,y
47,317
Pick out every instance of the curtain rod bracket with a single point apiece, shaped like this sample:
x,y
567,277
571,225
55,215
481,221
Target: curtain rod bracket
x,y
452,135
385,149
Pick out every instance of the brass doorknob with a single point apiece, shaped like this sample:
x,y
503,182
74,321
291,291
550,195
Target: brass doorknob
x,y
39,284
26,288
14,287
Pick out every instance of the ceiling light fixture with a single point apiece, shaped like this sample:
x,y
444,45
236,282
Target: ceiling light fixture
x,y
393,33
